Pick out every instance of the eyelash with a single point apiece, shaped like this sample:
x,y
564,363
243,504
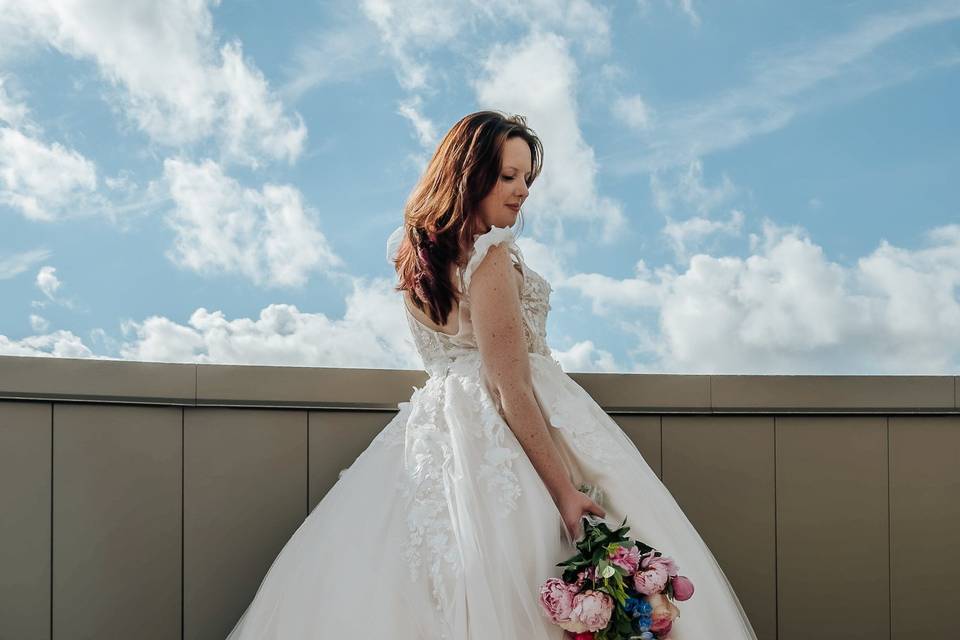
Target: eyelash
x,y
512,177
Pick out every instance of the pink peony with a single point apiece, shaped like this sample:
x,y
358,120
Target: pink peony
x,y
649,561
682,588
627,558
593,609
586,635
556,598
650,581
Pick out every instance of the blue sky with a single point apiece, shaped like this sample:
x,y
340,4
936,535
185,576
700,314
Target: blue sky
x,y
737,187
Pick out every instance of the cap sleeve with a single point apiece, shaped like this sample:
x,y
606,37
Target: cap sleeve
x,y
482,244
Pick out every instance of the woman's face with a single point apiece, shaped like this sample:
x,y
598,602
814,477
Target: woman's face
x,y
501,205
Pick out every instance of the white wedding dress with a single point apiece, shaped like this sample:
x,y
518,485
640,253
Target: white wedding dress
x,y
442,527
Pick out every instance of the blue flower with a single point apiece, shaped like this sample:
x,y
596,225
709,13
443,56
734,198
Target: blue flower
x,y
632,605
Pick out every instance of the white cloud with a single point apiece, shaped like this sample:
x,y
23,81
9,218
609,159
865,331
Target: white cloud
x,y
634,111
686,188
688,9
537,78
39,324
43,181
685,235
13,265
785,83
788,309
373,333
12,112
338,54
412,110
47,281
685,6
171,76
267,235
587,357
48,182
410,29
59,344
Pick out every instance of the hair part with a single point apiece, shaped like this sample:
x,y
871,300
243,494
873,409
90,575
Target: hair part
x,y
442,213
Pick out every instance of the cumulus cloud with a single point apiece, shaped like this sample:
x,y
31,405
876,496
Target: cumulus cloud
x,y
585,356
789,309
537,78
684,235
266,235
42,180
59,344
372,333
172,77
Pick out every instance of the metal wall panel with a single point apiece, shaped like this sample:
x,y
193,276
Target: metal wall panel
x,y
245,480
720,470
925,526
336,439
25,429
832,528
116,521
645,433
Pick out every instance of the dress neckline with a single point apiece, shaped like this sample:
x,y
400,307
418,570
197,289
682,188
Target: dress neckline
x,y
406,308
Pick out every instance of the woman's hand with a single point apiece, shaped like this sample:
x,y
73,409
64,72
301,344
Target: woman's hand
x,y
573,505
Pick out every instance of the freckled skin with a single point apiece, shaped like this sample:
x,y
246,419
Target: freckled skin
x,y
496,315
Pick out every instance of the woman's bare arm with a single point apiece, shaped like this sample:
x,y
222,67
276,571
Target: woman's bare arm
x,y
497,322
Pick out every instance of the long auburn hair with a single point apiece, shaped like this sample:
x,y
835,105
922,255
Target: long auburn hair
x,y
442,213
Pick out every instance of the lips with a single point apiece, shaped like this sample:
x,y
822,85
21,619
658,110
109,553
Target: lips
x,y
515,207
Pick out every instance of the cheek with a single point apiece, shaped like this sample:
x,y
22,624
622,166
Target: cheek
x,y
495,197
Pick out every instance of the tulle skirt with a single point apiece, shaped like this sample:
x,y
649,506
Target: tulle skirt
x,y
442,528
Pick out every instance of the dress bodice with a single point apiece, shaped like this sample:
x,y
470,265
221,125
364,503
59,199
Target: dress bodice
x,y
438,349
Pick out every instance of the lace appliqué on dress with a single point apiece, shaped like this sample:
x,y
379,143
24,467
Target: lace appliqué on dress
x,y
572,413
429,457
496,472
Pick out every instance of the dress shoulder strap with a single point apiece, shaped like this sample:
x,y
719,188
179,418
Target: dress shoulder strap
x,y
481,244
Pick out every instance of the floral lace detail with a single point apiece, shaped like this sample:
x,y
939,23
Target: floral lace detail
x,y
496,472
428,457
535,305
579,416
455,359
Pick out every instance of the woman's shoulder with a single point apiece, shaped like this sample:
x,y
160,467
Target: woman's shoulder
x,y
482,243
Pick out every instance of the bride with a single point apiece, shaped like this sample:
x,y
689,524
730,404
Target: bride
x,y
461,507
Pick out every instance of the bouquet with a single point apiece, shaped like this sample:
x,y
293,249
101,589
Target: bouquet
x,y
614,588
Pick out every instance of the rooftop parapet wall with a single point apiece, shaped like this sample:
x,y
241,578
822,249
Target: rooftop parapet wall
x,y
121,381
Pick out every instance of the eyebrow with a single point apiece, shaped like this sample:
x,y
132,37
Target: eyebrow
x,y
510,166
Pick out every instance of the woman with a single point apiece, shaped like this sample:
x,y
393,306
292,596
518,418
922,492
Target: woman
x,y
457,512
